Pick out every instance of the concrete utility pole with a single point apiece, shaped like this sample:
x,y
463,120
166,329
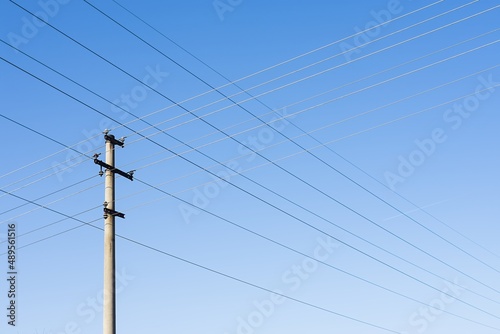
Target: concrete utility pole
x,y
109,307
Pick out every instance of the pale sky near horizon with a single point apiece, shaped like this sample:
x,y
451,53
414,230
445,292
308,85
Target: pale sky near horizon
x,y
366,140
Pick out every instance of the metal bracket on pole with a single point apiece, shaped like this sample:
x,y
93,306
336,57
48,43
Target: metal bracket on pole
x,y
129,175
113,213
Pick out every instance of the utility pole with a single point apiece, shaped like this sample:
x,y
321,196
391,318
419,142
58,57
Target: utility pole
x,y
109,307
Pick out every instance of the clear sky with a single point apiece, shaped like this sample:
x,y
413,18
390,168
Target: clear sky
x,y
360,180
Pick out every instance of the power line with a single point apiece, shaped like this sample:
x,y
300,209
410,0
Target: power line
x,y
260,236
53,202
213,88
209,269
345,230
352,210
316,156
371,128
42,80
291,59
293,175
49,194
318,62
205,106
277,65
223,77
122,70
286,117
39,179
347,207
59,73
339,66
310,76
334,168
71,148
279,209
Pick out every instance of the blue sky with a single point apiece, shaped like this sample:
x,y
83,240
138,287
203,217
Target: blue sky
x,y
380,132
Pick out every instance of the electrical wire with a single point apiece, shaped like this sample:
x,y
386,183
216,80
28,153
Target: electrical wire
x,y
51,203
315,156
333,168
293,58
277,65
347,273
70,148
40,179
302,79
49,194
261,236
287,119
277,166
112,64
292,115
208,269
336,225
288,73
279,209
284,170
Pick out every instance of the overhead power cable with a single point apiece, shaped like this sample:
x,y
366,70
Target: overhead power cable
x,y
70,148
327,195
287,118
454,245
224,96
178,104
336,225
293,58
51,203
382,24
49,194
260,236
324,162
314,155
39,179
277,65
215,271
100,96
281,168
294,114
279,209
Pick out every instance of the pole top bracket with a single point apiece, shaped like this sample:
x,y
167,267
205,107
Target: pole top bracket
x,y
114,141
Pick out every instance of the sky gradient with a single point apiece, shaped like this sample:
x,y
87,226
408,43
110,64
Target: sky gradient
x,y
329,152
